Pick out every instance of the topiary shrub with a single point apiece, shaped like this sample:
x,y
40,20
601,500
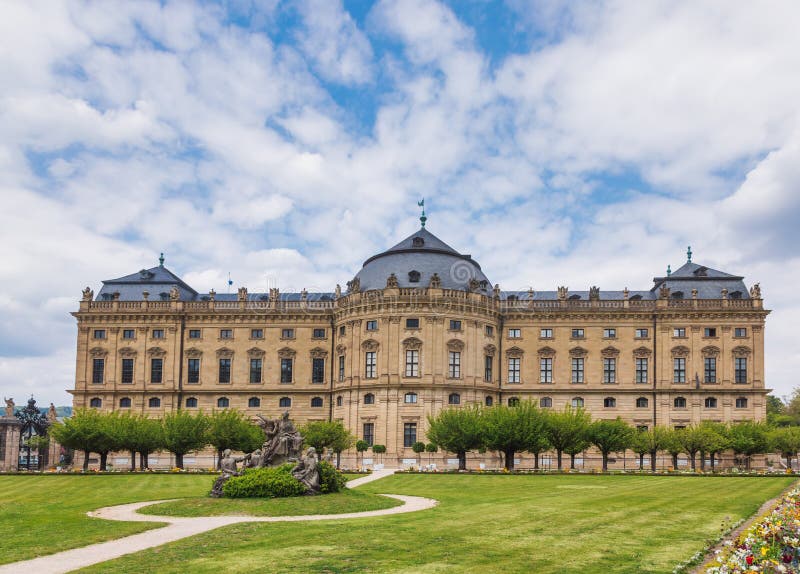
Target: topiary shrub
x,y
278,482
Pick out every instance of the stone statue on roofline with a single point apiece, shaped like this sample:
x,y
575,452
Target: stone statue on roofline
x,y
9,407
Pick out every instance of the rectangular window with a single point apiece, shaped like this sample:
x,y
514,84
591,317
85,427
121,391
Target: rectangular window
x,y
128,334
489,331
369,433
193,371
577,333
318,334
256,333
740,332
370,364
609,370
99,333
577,369
156,370
158,333
372,325
127,371
98,369
226,333
546,370
454,364
514,333
679,370
710,332
455,325
287,334
641,370
286,370
610,333
317,370
224,370
412,323
409,434
194,333
341,367
740,369
641,333
255,370
710,364
679,332
546,333
488,364
342,331
513,370
412,363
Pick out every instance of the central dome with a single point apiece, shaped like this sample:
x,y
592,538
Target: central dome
x,y
416,259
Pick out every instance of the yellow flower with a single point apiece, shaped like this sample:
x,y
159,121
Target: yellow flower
x,y
763,551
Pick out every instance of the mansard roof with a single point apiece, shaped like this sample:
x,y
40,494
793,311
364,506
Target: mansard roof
x,y
157,281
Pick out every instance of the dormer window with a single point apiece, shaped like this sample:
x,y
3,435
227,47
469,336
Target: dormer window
x,y
701,272
677,295
107,296
511,298
144,274
574,297
164,296
735,295
417,242
636,298
413,276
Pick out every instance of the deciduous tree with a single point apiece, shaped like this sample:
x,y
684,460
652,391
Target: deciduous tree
x,y
567,430
610,436
457,431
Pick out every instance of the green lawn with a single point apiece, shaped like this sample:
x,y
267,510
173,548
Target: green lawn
x,y
341,502
496,523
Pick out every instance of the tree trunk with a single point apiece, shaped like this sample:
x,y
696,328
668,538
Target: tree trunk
x,y
605,462
143,463
653,454
509,456
691,458
558,459
462,460
675,461
712,457
789,461
572,461
339,458
103,460
536,461
133,461
702,460
179,460
641,461
219,458
85,460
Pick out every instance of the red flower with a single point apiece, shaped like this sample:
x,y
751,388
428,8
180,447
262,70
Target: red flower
x,y
787,558
749,559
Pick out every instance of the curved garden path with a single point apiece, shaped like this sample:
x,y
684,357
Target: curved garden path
x,y
178,528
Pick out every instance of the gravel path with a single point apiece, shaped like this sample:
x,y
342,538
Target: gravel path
x,y
178,528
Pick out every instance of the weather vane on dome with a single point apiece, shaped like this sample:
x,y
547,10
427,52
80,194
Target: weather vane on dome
x,y
422,218
161,260
689,254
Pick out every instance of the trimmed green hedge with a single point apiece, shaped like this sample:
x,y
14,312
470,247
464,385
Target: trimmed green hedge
x,y
278,482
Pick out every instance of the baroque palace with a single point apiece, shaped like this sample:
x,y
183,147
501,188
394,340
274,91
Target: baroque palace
x,y
418,329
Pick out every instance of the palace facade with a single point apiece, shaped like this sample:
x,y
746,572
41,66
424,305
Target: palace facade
x,y
418,329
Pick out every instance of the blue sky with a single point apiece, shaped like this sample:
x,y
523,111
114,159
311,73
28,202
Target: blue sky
x,y
561,143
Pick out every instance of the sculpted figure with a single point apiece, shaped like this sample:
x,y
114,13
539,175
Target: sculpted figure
x,y
282,440
9,407
228,468
307,471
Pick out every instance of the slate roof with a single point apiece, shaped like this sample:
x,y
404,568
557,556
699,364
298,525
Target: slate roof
x,y
708,282
157,281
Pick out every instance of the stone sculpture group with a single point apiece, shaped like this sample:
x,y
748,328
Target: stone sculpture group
x,y
282,444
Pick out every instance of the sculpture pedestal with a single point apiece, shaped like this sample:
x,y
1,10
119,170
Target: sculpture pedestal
x,y
9,443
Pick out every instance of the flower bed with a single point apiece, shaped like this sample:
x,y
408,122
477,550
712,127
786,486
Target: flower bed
x,y
770,544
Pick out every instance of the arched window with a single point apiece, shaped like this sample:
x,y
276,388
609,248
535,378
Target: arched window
x,y
191,403
316,402
410,398
223,402
741,402
679,402
369,399
489,401
454,399
339,401
545,402
285,402
513,401
125,403
154,402
413,276
641,403
609,402
577,402
253,402
711,403
96,403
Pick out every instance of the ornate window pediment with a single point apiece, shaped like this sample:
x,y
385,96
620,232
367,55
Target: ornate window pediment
x,y
412,343
98,352
455,345
547,352
224,353
370,345
341,349
609,352
514,352
156,352
490,350
255,352
127,352
193,352
318,353
642,352
578,352
680,351
710,351
741,351
286,353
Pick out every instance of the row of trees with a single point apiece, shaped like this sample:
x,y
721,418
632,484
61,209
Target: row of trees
x,y
526,428
180,433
